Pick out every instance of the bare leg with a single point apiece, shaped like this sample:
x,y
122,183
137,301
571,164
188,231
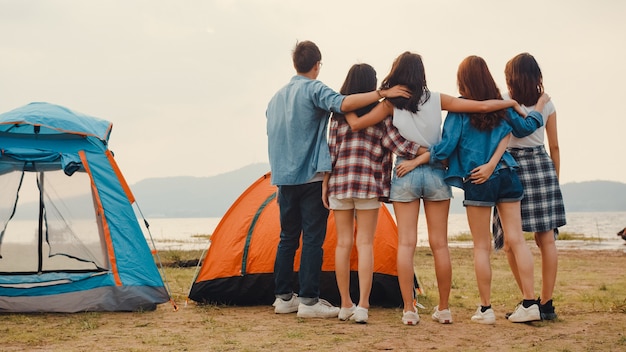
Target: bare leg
x,y
366,227
512,264
478,219
437,220
406,215
512,226
344,221
549,263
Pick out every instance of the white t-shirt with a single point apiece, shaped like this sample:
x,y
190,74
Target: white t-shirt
x,y
424,126
537,137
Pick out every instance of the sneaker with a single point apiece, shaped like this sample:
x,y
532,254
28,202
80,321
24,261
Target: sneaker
x,y
321,309
547,311
442,316
346,313
360,315
281,306
410,317
486,317
508,314
521,314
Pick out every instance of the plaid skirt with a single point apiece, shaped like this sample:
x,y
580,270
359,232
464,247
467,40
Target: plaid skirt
x,y
542,205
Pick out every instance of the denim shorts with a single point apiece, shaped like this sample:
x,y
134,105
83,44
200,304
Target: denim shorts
x,y
505,187
424,182
353,203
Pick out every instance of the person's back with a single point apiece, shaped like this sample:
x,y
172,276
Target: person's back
x,y
467,147
423,126
297,119
537,137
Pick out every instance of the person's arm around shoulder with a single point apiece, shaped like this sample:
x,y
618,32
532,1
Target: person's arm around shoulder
x,y
377,114
453,104
526,125
356,101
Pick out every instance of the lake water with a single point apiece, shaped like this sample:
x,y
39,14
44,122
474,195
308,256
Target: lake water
x,y
600,227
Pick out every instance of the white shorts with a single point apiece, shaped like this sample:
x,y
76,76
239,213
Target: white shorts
x,y
353,203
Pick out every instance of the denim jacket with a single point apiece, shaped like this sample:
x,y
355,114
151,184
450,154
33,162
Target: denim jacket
x,y
297,121
466,148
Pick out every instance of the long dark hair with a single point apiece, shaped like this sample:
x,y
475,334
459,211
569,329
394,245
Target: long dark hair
x,y
524,79
476,83
361,78
408,70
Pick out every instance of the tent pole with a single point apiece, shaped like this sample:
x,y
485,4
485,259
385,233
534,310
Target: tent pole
x,y
40,227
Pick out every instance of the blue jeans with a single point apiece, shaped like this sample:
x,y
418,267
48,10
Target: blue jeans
x,y
501,188
301,213
424,182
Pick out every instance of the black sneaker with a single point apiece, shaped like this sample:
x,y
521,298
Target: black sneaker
x,y
547,311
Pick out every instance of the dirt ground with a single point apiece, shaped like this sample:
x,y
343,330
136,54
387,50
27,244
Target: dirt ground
x,y
589,320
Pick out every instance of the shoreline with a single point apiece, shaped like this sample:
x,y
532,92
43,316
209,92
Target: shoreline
x,y
575,245
591,231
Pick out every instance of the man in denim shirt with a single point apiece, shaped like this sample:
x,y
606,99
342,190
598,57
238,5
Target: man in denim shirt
x,y
297,120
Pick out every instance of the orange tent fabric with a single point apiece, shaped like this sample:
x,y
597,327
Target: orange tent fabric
x,y
238,267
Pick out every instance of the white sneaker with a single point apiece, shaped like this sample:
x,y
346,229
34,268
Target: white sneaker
x,y
410,317
281,306
346,313
487,317
360,315
321,309
442,316
522,315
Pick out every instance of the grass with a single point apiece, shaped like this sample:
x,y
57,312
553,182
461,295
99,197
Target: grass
x,y
529,236
599,294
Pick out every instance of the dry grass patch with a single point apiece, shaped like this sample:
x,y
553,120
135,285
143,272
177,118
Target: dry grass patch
x,y
590,299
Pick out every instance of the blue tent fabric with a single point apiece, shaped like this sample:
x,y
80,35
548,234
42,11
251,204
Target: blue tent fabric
x,y
54,119
40,138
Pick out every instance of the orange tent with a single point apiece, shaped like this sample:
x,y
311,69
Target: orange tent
x,y
239,264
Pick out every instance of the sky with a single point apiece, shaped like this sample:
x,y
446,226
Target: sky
x,y
186,82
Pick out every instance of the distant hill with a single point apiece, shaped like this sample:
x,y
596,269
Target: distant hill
x,y
190,197
212,196
594,196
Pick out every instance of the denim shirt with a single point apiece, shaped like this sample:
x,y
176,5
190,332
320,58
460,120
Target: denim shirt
x,y
466,148
297,121
523,127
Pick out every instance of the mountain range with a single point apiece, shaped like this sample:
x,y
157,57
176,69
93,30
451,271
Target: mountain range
x,y
185,196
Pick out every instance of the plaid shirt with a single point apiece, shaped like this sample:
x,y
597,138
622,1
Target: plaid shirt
x,y
362,161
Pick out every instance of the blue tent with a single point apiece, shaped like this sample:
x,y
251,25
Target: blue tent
x,y
70,240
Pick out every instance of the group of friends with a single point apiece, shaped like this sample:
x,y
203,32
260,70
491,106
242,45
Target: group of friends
x,y
490,145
